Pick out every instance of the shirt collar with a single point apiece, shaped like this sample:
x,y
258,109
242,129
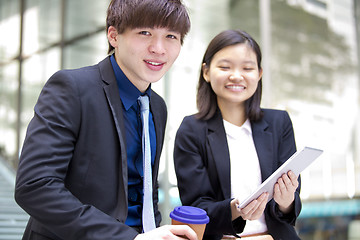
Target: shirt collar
x,y
128,92
247,126
234,130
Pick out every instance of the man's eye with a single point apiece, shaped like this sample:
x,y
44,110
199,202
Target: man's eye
x,y
172,36
144,33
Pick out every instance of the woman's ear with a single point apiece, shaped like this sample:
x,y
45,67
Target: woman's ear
x,y
205,70
112,35
260,73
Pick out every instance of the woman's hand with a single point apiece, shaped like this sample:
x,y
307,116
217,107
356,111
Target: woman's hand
x,y
252,211
284,191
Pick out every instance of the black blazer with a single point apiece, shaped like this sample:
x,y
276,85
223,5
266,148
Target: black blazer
x,y
72,176
202,166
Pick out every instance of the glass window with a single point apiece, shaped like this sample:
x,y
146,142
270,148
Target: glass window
x,y
8,108
83,17
9,26
87,51
244,15
42,25
313,76
36,71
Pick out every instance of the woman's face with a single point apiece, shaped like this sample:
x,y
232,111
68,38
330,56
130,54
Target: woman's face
x,y
233,74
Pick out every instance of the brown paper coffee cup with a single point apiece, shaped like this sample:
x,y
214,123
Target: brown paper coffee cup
x,y
199,229
196,218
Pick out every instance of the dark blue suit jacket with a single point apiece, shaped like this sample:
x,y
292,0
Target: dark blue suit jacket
x,y
72,175
202,165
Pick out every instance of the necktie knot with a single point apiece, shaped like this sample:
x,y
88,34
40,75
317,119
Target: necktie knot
x,y
144,103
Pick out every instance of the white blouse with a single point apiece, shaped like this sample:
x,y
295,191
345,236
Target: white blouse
x,y
245,169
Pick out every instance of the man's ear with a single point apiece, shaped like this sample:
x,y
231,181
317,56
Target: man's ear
x,y
112,35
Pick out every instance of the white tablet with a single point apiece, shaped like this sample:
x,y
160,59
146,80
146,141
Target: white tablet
x,y
296,163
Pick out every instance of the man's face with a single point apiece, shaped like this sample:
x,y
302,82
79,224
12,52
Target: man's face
x,y
145,54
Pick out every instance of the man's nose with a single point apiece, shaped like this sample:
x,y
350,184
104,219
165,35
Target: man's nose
x,y
157,46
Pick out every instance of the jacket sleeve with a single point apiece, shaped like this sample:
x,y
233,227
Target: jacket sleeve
x,y
48,148
194,183
286,148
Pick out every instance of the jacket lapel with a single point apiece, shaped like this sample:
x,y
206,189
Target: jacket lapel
x,y
220,152
113,98
264,147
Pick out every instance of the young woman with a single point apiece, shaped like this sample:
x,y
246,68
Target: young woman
x,y
231,145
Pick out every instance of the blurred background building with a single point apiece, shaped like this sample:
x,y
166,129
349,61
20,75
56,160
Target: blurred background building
x,y
311,67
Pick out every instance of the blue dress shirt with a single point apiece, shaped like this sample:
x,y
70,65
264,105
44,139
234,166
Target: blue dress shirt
x,y
133,131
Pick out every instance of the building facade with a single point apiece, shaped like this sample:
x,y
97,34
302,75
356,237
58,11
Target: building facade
x,y
311,69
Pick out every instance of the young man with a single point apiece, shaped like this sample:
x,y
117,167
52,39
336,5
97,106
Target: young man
x,y
80,174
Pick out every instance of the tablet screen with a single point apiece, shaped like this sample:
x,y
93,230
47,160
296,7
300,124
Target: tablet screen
x,y
296,163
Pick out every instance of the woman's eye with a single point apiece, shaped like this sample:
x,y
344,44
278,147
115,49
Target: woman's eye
x,y
224,67
249,68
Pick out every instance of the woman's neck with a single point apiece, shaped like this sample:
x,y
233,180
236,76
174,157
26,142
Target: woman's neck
x,y
233,113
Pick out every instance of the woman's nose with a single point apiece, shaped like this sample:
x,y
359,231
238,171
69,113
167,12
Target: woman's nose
x,y
236,76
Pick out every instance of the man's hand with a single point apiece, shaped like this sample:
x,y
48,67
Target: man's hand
x,y
169,232
284,191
